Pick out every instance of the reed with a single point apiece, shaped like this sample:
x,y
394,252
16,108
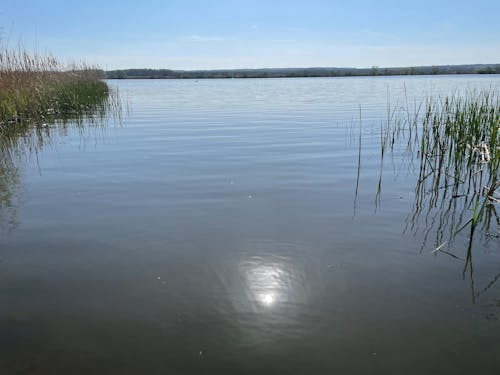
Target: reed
x,y
456,141
35,88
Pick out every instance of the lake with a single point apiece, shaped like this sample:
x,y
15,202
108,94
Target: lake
x,y
236,227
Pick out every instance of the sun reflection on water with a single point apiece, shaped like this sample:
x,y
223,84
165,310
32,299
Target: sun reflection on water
x,y
267,299
266,282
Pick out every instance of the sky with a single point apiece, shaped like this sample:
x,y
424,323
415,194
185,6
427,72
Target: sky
x,y
213,34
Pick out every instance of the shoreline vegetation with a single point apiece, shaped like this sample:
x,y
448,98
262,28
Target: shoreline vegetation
x,y
36,89
301,72
40,95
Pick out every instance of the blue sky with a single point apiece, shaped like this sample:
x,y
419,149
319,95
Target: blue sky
x,y
194,34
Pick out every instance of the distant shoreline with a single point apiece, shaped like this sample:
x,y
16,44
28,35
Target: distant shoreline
x,y
302,72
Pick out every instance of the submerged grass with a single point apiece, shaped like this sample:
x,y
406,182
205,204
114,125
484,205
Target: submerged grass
x,y
35,89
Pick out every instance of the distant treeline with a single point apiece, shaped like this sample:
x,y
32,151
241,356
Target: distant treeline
x,y
301,72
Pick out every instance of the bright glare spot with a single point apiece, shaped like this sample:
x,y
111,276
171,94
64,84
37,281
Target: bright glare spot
x,y
267,299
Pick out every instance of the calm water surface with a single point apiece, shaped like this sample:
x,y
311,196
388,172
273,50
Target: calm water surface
x,y
215,230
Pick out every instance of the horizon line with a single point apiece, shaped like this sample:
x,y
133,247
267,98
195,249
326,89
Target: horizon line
x,y
308,67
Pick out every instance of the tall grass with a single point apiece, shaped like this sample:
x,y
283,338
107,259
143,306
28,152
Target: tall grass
x,y
36,88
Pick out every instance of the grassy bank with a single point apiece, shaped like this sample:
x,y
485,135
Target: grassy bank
x,y
36,89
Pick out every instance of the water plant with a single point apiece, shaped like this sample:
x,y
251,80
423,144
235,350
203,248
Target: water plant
x,y
456,142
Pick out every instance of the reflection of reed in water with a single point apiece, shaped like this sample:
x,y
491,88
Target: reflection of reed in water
x,y
9,189
20,142
455,143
